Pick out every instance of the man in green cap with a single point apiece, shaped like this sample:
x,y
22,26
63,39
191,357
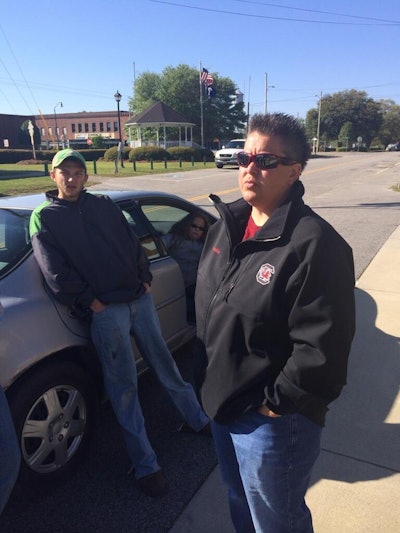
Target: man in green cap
x,y
93,262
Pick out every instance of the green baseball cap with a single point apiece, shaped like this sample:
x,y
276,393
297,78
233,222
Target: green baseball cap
x,y
68,153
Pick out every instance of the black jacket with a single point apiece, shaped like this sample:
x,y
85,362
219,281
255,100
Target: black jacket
x,y
275,313
87,250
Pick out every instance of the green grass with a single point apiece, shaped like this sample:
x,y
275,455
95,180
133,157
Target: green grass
x,y
20,179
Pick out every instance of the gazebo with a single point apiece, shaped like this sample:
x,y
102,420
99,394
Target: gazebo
x,y
159,116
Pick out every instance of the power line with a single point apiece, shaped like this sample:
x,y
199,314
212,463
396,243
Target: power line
x,y
259,16
20,69
315,11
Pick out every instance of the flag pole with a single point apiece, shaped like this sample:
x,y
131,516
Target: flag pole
x,y
201,109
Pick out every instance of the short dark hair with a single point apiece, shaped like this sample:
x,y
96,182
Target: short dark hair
x,y
292,133
181,228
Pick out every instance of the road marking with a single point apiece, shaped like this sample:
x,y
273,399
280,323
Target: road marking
x,y
218,193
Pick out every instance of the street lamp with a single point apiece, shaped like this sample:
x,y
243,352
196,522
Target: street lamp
x,y
55,119
120,156
118,97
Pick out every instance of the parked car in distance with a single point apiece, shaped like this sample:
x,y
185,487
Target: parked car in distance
x,y
227,155
393,147
48,366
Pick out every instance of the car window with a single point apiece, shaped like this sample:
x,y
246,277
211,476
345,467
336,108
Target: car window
x,y
14,237
146,239
163,217
235,144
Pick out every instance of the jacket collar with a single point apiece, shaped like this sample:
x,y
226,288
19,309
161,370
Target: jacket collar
x,y
236,214
53,197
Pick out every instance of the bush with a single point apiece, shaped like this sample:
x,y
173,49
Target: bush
x,y
359,149
97,142
111,153
146,153
209,154
14,156
186,153
377,148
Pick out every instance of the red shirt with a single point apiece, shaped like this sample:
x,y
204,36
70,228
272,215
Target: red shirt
x,y
251,229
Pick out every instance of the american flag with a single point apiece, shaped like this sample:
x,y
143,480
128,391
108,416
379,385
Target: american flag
x,y
206,77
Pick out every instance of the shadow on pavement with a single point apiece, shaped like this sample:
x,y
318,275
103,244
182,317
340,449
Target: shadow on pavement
x,y
360,425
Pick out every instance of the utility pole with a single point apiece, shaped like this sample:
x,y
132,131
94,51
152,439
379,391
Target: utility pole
x,y
266,92
55,120
319,120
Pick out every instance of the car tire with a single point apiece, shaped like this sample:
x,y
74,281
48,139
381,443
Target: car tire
x,y
54,411
219,165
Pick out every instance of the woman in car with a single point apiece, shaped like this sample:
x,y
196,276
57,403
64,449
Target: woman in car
x,y
184,243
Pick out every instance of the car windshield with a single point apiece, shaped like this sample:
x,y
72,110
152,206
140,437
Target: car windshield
x,y
14,237
235,144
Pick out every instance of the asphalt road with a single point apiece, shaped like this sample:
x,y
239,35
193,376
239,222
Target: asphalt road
x,y
353,192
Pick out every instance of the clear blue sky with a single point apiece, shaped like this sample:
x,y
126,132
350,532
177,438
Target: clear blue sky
x,y
80,53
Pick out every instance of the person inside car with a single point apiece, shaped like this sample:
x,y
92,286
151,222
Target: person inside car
x,y
184,242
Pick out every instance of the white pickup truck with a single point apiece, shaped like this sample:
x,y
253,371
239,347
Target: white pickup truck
x,y
227,155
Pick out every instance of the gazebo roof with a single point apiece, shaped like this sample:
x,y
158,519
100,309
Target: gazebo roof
x,y
159,114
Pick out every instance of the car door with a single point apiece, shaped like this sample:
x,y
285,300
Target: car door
x,y
167,286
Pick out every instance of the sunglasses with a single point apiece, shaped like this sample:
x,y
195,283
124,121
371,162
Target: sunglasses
x,y
263,161
200,228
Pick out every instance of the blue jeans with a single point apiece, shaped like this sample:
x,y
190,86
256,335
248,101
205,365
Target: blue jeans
x,y
111,334
9,452
266,464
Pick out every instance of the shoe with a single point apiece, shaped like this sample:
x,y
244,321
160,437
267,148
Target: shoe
x,y
206,430
154,485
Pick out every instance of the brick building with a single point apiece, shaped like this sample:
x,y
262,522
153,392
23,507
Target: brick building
x,y
78,128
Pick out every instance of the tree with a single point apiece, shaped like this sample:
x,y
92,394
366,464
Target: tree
x,y
311,124
389,131
179,88
349,106
24,138
346,134
146,92
97,141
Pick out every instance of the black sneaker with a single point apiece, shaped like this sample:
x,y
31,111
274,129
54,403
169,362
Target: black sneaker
x,y
154,485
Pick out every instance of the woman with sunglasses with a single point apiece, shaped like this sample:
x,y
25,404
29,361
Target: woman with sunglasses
x,y
184,242
275,322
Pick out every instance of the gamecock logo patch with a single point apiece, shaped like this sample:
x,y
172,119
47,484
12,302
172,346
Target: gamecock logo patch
x,y
265,273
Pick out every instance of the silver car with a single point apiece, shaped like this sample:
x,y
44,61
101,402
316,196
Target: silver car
x,y
48,366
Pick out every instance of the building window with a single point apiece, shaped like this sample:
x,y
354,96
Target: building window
x,y
86,127
65,131
108,126
50,132
93,126
115,126
79,128
101,126
42,132
73,128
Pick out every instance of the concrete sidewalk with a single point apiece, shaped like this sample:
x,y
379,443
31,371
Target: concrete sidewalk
x,y
355,486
